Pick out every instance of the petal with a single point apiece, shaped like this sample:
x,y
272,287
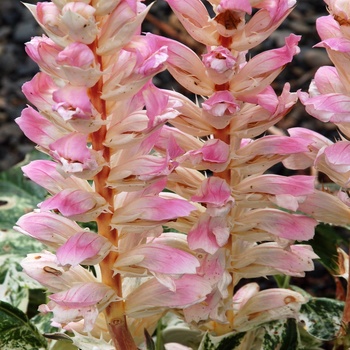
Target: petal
x,y
214,190
45,174
76,204
209,234
328,108
87,248
263,68
84,294
37,128
152,296
268,305
186,67
276,222
152,208
338,156
159,258
43,267
195,18
297,185
48,228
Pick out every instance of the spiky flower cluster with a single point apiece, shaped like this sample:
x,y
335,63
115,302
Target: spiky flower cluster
x,y
181,192
328,100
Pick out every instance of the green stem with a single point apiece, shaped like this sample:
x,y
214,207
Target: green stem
x,y
282,281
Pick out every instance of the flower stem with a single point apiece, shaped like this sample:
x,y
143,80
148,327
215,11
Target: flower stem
x,y
115,315
224,135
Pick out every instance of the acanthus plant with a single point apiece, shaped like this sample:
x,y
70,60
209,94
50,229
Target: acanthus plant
x,y
328,100
181,192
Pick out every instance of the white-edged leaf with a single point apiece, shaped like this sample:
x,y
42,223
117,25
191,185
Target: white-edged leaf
x,y
88,342
230,341
14,284
322,317
176,330
16,332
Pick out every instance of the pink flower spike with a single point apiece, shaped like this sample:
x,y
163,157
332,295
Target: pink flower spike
x,y
122,24
87,248
264,68
214,155
270,259
43,268
220,64
77,205
48,16
297,185
159,258
209,234
339,9
151,296
45,174
82,301
75,158
144,168
220,108
195,18
72,102
186,67
152,208
239,5
214,191
279,223
79,20
157,105
76,55
44,51
215,151
48,228
266,306
327,81
337,156
37,128
83,294
39,91
328,108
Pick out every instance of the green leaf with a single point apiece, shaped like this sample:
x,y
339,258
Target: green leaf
x,y
177,331
322,317
90,343
63,345
43,323
325,243
15,245
226,342
149,341
282,281
16,332
281,334
159,336
307,341
14,283
18,195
